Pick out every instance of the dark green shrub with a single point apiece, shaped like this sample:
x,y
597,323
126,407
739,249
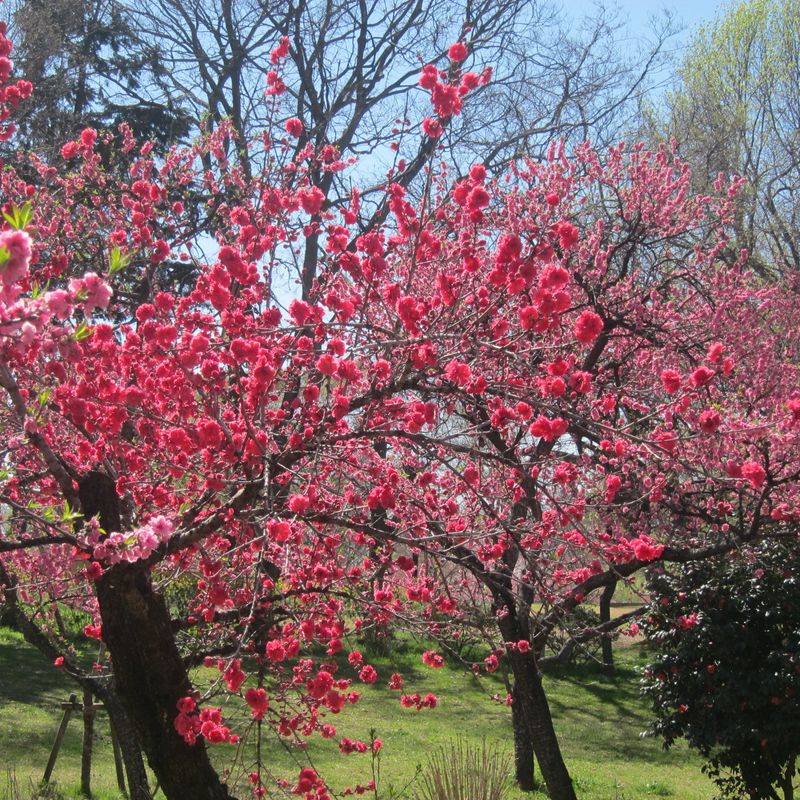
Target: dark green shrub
x,y
727,673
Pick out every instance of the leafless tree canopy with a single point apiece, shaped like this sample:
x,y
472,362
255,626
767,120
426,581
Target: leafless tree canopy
x,y
351,76
354,66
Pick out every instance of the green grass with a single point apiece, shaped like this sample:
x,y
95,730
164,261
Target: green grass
x,y
598,720
30,691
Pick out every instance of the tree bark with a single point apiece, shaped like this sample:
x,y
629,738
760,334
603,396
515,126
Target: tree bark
x,y
151,678
149,674
88,742
528,690
530,697
523,747
605,639
138,786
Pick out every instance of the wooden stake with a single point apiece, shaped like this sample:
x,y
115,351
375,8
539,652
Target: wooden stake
x,y
117,758
62,729
88,736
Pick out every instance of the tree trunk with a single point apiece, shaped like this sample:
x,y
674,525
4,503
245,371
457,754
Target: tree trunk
x,y
605,639
151,678
523,748
138,787
531,700
529,692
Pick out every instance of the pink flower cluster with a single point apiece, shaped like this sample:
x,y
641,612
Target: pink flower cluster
x,y
133,545
415,701
13,94
207,723
17,256
24,321
447,97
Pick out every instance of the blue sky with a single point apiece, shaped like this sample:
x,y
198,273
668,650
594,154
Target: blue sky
x,y
689,12
687,15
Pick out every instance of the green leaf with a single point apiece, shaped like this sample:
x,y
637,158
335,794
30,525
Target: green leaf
x,y
83,331
69,514
117,261
37,290
20,216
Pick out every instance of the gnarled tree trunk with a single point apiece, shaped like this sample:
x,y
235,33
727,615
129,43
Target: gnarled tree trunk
x,y
530,694
151,678
533,708
605,639
523,747
149,674
138,787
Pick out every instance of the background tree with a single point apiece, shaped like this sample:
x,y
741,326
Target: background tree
x,y
727,671
736,110
91,69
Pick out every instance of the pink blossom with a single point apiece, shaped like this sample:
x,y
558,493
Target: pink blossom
x,y
18,246
368,674
161,527
258,701
432,659
88,137
294,127
396,681
59,303
754,474
299,503
613,484
70,150
281,51
429,76
279,530
432,127
588,327
671,380
645,549
687,621
458,372
311,199
567,234
327,364
709,421
457,52
91,290
701,376
478,198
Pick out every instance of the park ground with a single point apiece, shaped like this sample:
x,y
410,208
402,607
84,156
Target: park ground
x,y
599,720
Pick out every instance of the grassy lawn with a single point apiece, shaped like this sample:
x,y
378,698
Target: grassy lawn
x,y
598,720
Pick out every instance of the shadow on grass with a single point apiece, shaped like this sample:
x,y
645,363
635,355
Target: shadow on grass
x,y
619,693
43,684
584,701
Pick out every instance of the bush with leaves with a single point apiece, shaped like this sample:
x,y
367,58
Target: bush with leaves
x,y
727,673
